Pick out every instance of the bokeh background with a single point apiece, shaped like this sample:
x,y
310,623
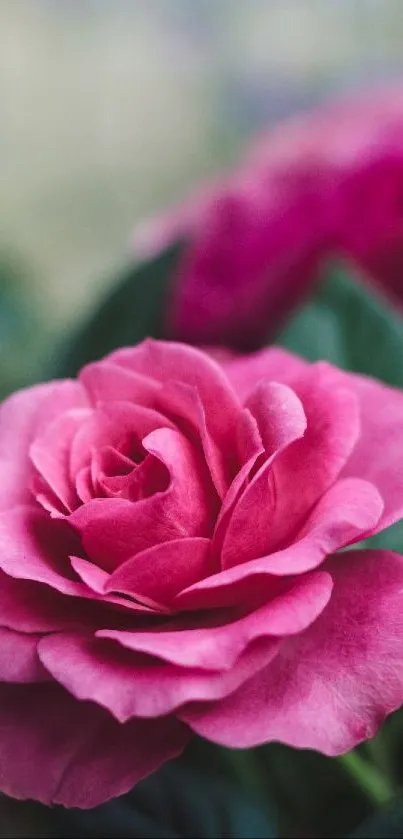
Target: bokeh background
x,y
112,109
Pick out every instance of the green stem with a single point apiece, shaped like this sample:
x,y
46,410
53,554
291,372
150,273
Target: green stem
x,y
379,757
368,778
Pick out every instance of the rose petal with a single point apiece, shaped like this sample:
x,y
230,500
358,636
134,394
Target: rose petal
x,y
133,685
306,469
346,513
170,363
22,418
218,647
108,382
160,572
19,661
332,686
50,453
268,365
35,547
83,484
279,414
94,577
26,606
377,455
113,529
281,421
85,756
119,425
184,403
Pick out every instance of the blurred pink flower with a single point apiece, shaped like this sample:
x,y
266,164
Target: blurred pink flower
x,y
328,182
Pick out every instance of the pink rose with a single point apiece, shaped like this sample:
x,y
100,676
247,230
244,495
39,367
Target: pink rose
x,y
331,181
170,542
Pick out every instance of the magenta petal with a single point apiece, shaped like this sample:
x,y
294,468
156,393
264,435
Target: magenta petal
x,y
83,484
184,403
114,529
281,421
108,382
170,361
332,686
120,424
217,647
162,571
30,607
35,547
95,578
50,454
213,406
22,418
306,469
60,751
271,365
378,454
345,514
19,660
279,414
134,685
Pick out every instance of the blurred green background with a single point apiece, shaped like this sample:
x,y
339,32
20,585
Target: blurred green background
x,y
112,109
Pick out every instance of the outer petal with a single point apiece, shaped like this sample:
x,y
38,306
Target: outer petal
x,y
217,647
268,365
332,686
22,417
60,751
378,454
35,547
30,607
19,660
309,467
345,514
130,684
166,361
50,454
108,382
275,504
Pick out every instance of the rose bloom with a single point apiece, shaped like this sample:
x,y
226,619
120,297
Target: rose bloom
x,y
171,535
327,182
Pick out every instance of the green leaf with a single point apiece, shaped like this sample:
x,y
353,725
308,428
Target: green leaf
x,y
134,309
20,337
355,328
350,326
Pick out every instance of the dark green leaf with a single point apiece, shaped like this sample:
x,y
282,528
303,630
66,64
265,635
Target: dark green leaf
x,y
133,310
386,824
353,327
349,325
